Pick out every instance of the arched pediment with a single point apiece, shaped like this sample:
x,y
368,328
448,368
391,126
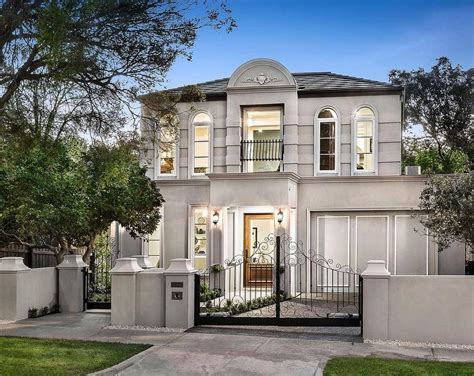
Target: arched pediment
x,y
261,73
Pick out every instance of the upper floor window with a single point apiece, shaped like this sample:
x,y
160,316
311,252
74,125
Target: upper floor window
x,y
167,153
364,140
262,143
326,128
201,143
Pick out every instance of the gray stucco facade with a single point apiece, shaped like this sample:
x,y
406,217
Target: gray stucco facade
x,y
347,214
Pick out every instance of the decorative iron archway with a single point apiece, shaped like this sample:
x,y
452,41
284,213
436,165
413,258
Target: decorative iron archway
x,y
305,289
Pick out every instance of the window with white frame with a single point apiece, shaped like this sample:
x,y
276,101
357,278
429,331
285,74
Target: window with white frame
x,y
326,136
199,237
167,154
364,123
201,125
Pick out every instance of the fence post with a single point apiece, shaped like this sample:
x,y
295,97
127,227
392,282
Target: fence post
x,y
180,294
375,300
71,284
14,303
29,257
124,291
277,277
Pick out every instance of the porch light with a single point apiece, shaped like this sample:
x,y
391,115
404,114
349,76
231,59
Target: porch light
x,y
280,216
215,218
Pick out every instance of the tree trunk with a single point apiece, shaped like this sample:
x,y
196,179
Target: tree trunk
x,y
90,248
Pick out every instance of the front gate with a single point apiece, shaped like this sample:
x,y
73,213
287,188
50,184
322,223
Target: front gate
x,y
97,279
303,289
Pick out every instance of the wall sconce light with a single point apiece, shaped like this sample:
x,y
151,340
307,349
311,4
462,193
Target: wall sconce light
x,y
215,218
280,216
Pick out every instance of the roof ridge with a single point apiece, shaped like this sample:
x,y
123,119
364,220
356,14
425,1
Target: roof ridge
x,y
305,73
361,79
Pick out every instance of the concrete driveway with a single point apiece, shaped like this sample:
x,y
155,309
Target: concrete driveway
x,y
223,350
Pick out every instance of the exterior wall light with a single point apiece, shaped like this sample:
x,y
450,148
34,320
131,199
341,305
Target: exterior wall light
x,y
215,218
280,216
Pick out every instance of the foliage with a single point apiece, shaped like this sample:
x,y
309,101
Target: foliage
x,y
393,367
113,47
207,294
66,193
447,209
19,356
440,101
234,308
424,154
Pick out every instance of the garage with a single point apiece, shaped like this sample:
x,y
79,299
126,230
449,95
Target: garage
x,y
355,237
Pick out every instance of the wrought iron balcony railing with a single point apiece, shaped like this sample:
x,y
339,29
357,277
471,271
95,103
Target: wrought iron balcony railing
x,y
261,150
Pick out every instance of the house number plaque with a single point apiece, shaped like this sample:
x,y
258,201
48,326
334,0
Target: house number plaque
x,y
177,284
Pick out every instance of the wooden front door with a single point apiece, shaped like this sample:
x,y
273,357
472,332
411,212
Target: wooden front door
x,y
258,260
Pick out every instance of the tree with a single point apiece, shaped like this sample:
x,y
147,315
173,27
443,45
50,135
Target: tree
x,y
447,209
440,101
421,153
62,195
118,47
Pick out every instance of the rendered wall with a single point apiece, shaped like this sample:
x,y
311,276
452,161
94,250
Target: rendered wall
x,y
20,291
437,309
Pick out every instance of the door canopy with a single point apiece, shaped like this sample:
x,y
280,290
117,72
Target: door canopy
x,y
261,73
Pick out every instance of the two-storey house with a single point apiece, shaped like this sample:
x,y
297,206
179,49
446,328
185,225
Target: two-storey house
x,y
315,155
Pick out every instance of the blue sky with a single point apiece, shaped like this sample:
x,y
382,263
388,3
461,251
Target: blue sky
x,y
359,38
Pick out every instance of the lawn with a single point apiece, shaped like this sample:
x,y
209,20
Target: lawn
x,y
29,356
380,366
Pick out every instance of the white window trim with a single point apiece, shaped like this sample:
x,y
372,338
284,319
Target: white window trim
x,y
191,232
245,135
147,240
157,164
375,122
317,121
191,174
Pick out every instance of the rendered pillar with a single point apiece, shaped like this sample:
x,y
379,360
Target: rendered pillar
x,y
180,294
124,283
375,300
12,282
71,284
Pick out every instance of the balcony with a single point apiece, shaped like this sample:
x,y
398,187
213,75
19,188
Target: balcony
x,y
261,155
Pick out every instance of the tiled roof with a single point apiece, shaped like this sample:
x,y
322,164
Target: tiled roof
x,y
310,82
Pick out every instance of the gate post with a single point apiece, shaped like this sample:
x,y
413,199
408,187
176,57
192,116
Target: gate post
x,y
375,300
277,276
71,284
124,283
180,294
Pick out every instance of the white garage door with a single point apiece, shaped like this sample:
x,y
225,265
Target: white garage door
x,y
353,238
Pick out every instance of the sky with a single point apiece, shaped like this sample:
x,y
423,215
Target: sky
x,y
360,38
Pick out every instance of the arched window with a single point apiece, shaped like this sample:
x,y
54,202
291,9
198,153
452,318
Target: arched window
x,y
167,153
326,132
201,127
364,140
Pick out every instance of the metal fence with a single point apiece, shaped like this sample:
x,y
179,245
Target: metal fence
x,y
261,150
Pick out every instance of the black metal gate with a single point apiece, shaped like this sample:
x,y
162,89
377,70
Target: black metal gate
x,y
280,283
97,279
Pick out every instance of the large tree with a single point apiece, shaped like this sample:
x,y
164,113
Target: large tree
x,y
120,46
63,194
440,101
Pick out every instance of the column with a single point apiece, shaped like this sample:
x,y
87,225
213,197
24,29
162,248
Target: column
x,y
375,300
71,284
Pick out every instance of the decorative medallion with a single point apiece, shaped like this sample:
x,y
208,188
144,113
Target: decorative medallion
x,y
262,79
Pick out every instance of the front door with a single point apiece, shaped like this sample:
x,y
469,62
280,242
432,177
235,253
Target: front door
x,y
258,253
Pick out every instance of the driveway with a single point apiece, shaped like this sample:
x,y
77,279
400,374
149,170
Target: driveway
x,y
223,350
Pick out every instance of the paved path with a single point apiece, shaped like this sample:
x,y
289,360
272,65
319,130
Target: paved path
x,y
227,350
